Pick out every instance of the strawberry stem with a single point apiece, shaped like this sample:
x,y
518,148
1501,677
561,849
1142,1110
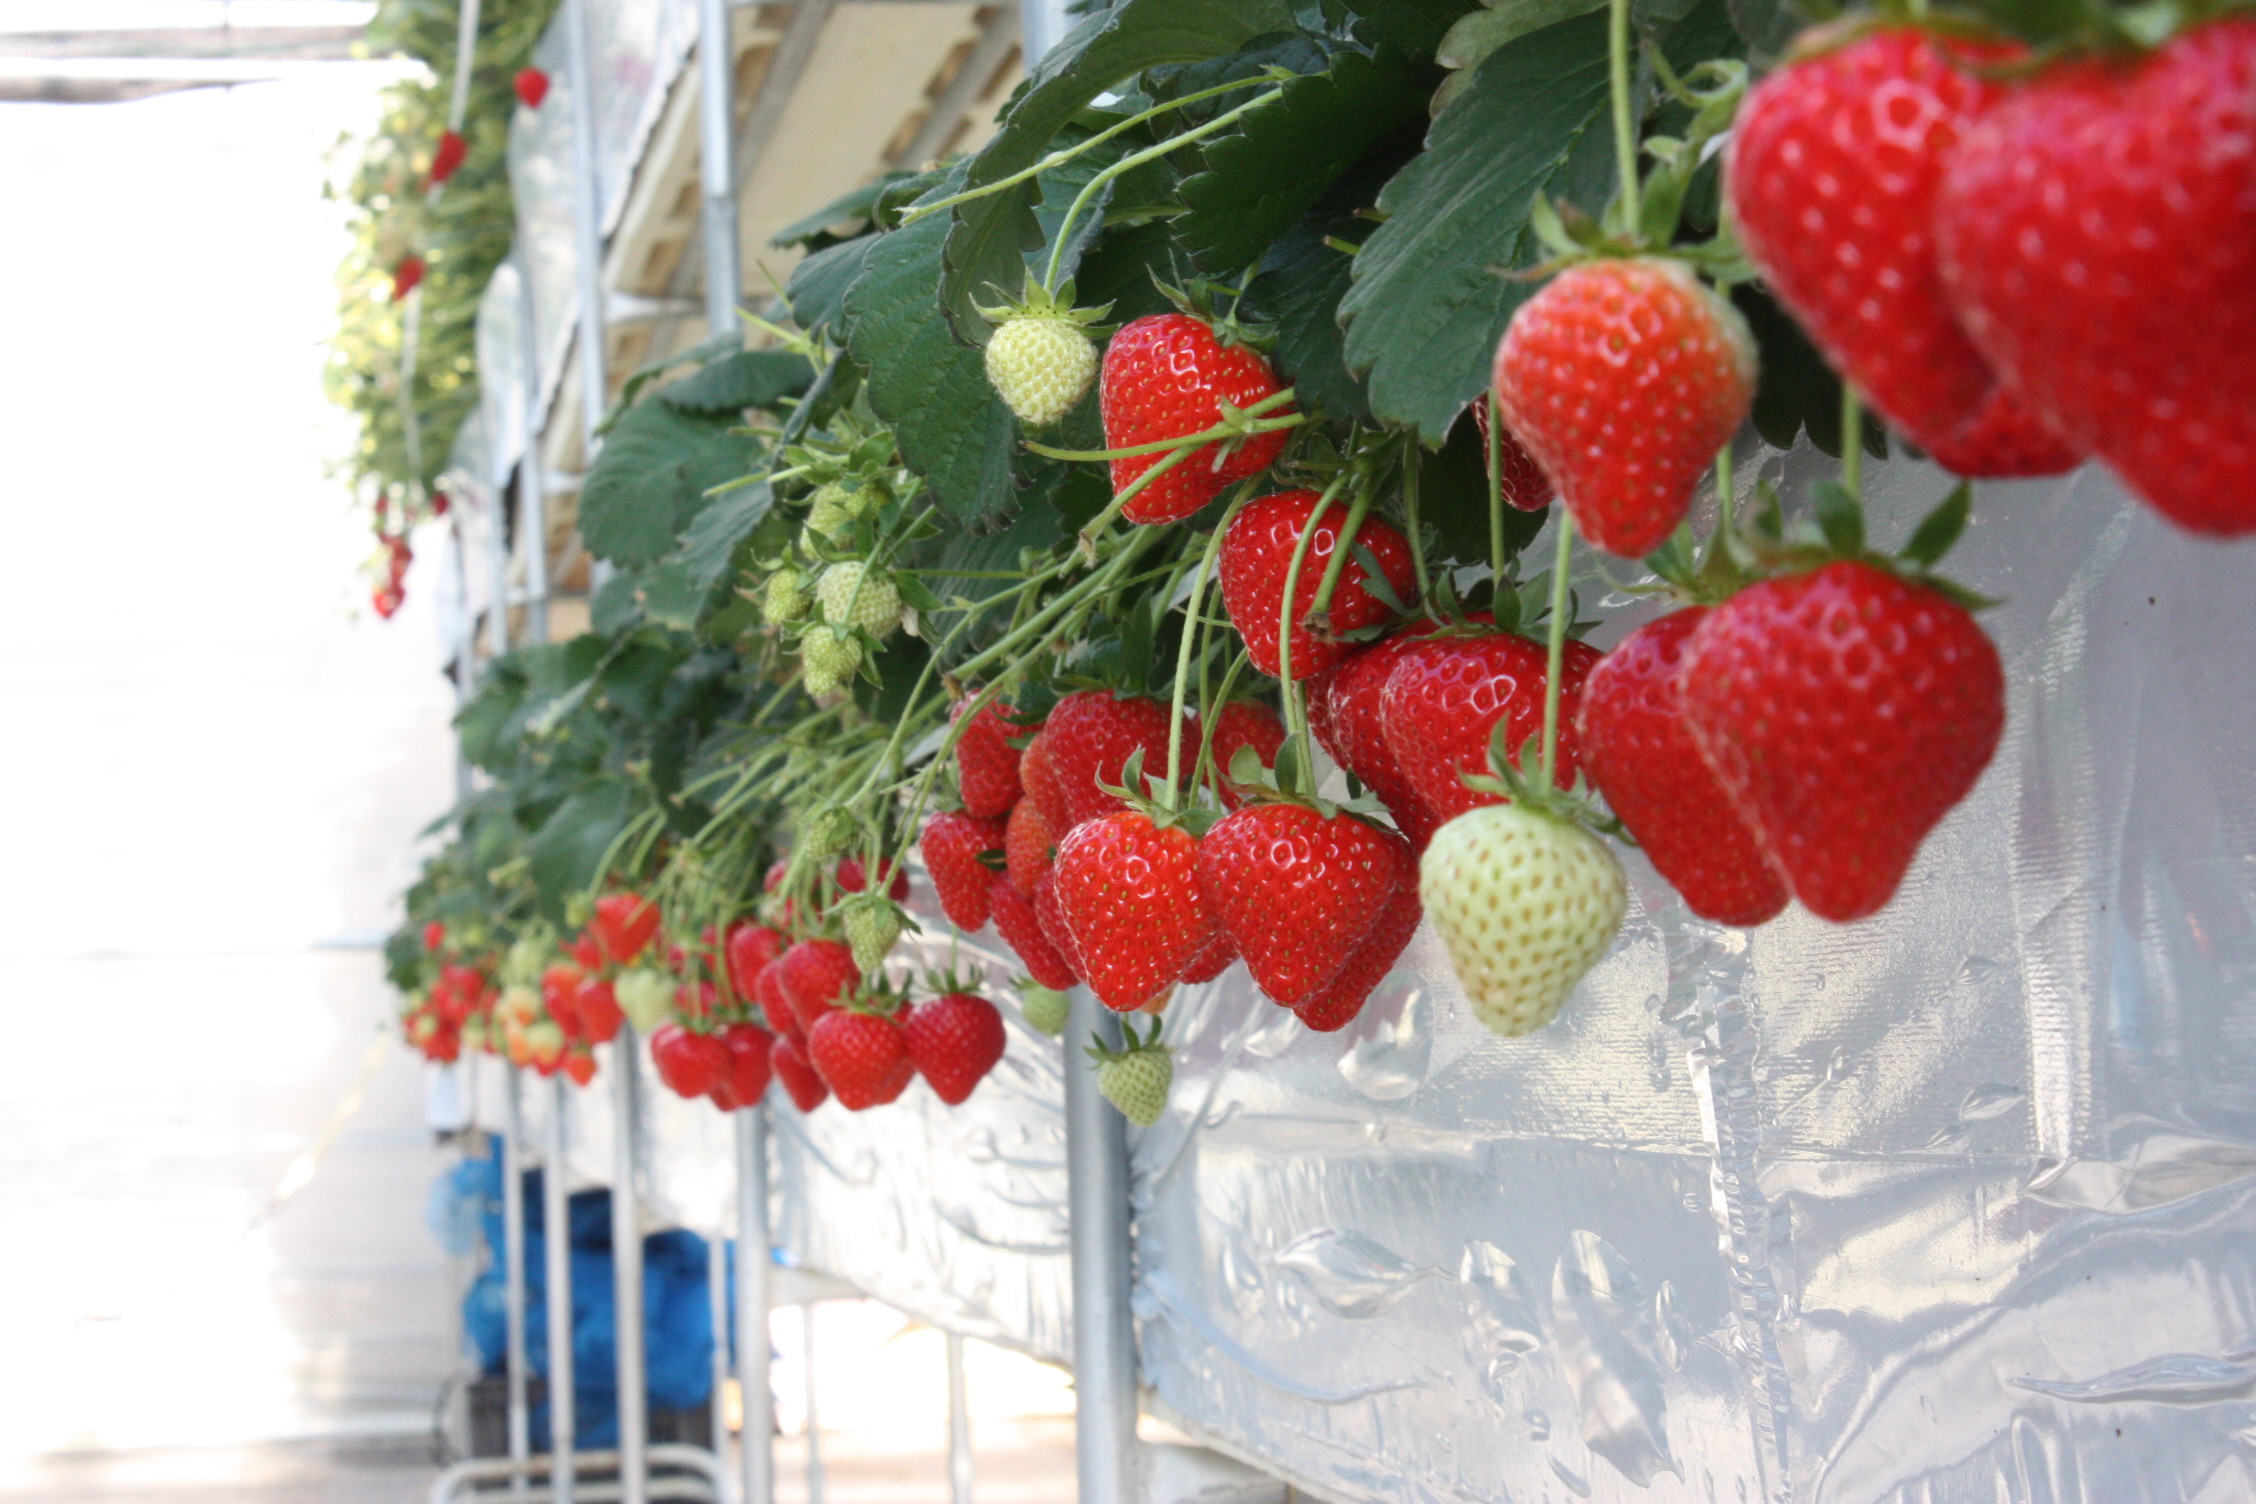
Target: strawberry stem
x,y
1135,160
1556,655
1192,621
1229,428
1067,154
1296,712
1320,608
1625,121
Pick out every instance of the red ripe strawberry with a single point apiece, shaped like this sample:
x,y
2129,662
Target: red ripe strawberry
x,y
1128,893
532,87
861,1057
623,924
749,1047
1346,710
952,847
1519,479
460,992
1051,918
560,988
815,977
688,1063
2095,237
850,879
1832,176
586,952
1088,739
579,1064
1641,755
1165,376
723,1095
788,1058
387,599
954,1041
1444,696
434,937
1021,928
1213,960
1297,891
775,1005
1240,723
697,1001
407,275
444,1046
1029,846
1335,1007
600,1014
1846,710
1623,378
1257,554
1042,788
987,763
448,155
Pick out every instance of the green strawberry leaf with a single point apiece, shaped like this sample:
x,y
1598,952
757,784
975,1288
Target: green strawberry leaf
x,y
852,210
817,288
1797,391
1840,517
1940,529
650,480
746,378
1259,180
989,236
952,428
566,853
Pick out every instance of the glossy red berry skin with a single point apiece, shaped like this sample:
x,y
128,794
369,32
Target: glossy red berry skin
x,y
774,1003
1043,790
987,763
1051,918
1623,378
2095,237
688,1063
1832,175
1029,846
862,1057
750,1050
954,1041
748,949
1165,376
1257,553
1638,751
1213,960
1087,741
531,85
1296,891
1347,712
816,976
1337,1005
1445,695
450,154
1128,893
851,879
1021,928
1846,711
599,1012
801,1081
1239,723
623,924
952,845
1519,479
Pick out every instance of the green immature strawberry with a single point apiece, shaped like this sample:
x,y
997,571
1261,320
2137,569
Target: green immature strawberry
x,y
862,1057
1525,903
786,597
1167,376
954,1041
1846,711
1136,1078
1623,378
1257,554
1297,890
835,508
830,656
1834,166
1128,893
1040,359
956,849
873,927
2094,231
986,762
644,996
854,595
1043,1008
1641,754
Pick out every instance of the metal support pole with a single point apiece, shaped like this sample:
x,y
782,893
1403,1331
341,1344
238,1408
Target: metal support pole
x,y
716,67
532,477
814,1427
556,1233
513,1280
754,1382
587,225
959,1425
716,1403
626,1266
1104,1344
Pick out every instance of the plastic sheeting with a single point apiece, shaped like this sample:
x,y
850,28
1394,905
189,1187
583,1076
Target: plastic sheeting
x,y
1957,1204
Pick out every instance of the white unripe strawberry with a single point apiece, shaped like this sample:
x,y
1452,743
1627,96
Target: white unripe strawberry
x,y
854,595
1041,365
786,598
830,657
1525,903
